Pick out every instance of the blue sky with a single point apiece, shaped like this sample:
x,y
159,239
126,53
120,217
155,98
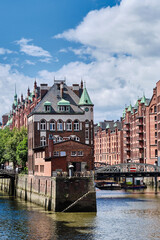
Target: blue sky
x,y
113,45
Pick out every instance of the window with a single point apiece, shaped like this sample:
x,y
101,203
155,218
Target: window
x,y
47,108
155,109
60,125
155,126
36,168
42,168
87,134
155,141
87,124
52,125
80,153
64,108
43,125
56,153
156,153
43,141
62,153
76,125
155,134
155,118
73,153
59,139
75,138
69,125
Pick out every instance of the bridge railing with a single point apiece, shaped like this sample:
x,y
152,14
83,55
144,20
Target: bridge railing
x,y
129,167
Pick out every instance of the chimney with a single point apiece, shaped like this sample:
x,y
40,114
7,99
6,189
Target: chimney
x,y
75,88
43,90
50,146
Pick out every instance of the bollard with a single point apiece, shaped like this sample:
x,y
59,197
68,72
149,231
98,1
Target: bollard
x,y
71,167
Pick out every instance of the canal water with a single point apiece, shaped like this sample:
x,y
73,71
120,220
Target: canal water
x,y
121,215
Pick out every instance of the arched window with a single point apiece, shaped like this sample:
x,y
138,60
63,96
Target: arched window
x,y
43,141
43,125
59,125
76,125
52,125
69,125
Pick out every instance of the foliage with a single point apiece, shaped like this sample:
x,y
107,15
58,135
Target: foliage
x,y
13,146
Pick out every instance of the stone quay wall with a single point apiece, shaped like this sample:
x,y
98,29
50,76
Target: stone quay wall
x,y
75,194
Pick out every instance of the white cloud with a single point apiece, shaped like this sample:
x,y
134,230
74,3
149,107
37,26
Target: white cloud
x,y
29,62
122,43
32,50
8,78
5,51
63,50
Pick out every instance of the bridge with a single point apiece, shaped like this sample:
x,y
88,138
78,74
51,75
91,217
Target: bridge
x,y
7,173
127,170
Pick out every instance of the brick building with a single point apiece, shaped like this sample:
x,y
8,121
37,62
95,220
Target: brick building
x,y
60,130
60,127
108,146
139,137
21,107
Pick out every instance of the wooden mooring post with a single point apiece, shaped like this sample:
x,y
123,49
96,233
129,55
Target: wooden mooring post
x,y
156,184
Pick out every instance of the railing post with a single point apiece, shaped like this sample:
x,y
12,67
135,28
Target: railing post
x,y
156,184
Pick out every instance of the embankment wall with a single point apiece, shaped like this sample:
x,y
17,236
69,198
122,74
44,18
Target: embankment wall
x,y
56,193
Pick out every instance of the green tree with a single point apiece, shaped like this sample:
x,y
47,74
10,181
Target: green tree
x,y
14,146
22,152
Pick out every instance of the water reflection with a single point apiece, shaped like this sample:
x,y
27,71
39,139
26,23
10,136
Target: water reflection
x,y
121,215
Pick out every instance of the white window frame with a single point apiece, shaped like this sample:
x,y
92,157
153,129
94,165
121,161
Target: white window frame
x,y
43,141
87,133
43,125
52,126
47,108
62,153
80,153
69,125
73,153
56,154
76,125
59,125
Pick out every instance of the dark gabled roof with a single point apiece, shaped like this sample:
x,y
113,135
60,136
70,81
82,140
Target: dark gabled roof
x,y
53,96
108,125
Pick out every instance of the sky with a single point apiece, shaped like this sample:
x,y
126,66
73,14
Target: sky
x,y
112,45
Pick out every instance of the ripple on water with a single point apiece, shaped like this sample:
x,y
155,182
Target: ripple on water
x,y
120,215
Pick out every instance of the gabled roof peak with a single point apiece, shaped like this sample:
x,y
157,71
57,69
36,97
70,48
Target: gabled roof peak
x,y
85,99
